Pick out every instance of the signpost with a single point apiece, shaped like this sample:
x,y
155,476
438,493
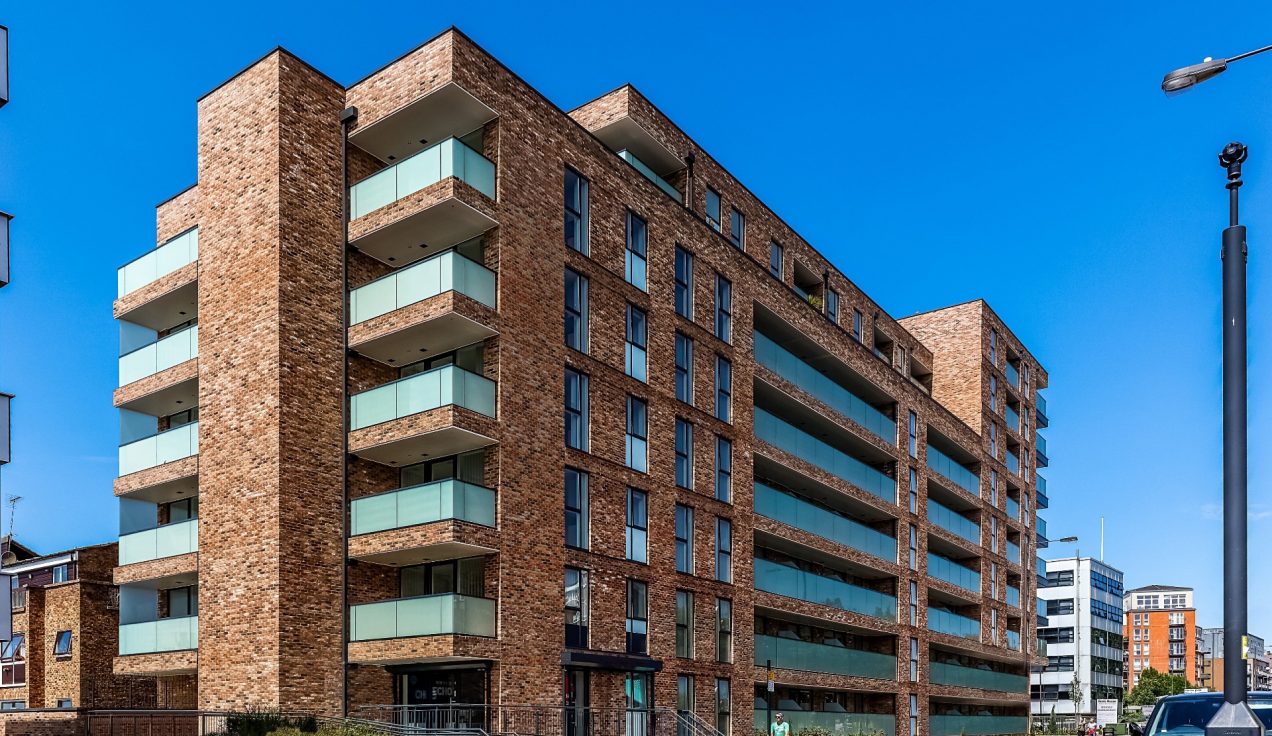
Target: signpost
x,y
1106,711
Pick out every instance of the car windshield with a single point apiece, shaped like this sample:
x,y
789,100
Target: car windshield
x,y
1191,716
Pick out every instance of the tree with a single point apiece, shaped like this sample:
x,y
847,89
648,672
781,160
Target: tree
x,y
1075,692
1151,685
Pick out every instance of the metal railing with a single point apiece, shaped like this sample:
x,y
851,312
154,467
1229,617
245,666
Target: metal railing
x,y
537,720
18,599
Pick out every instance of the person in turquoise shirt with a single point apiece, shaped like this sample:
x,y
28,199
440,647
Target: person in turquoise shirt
x,y
780,727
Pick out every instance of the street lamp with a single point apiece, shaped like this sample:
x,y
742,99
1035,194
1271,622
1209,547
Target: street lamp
x,y
1190,76
1234,717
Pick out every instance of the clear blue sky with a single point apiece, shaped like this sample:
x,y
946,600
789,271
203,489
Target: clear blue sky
x,y
937,154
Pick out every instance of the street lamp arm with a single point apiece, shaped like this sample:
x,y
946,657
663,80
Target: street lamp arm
x,y
1188,77
1239,57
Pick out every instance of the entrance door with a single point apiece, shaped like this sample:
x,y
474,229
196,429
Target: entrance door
x,y
577,701
445,699
639,690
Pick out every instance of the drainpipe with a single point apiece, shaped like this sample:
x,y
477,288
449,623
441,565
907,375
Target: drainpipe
x,y
347,119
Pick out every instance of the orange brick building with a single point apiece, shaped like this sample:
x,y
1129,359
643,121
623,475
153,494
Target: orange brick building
x,y
1161,632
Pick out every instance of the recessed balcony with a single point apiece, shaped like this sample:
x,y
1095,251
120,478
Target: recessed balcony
x,y
433,220
169,540
444,411
392,318
159,449
784,580
449,110
953,522
948,622
160,378
949,571
430,615
943,673
167,352
794,654
953,471
442,520
162,635
800,513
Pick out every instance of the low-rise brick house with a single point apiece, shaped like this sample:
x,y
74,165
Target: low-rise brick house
x,y
64,626
552,413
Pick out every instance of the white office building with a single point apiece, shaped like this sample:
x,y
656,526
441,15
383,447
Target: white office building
x,y
1082,602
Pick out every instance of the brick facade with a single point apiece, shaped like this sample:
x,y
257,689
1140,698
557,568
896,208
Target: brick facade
x,y
274,567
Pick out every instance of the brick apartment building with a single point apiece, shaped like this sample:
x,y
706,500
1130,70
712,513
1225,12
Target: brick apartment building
x,y
333,503
1211,661
65,628
1161,632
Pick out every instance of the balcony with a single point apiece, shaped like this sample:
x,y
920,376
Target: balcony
x,y
430,615
942,673
779,579
158,356
1043,500
442,328
1013,553
948,622
1040,405
451,216
1042,451
953,522
167,258
977,725
793,654
788,438
823,388
465,400
950,469
1013,596
423,504
1013,509
794,511
1042,533
422,392
1012,462
164,447
630,158
163,635
1013,375
948,570
1013,419
169,540
829,722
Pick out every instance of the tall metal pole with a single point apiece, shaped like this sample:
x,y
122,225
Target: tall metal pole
x,y
1234,717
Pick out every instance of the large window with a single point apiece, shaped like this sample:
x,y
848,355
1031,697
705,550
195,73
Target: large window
x,y
913,438
576,514
576,604
723,469
684,539
637,617
576,410
723,308
724,550
576,234
635,258
737,229
637,441
684,283
575,310
634,359
724,630
914,491
856,324
637,525
13,661
1060,607
724,707
684,453
685,700
914,659
713,209
723,389
684,624
684,368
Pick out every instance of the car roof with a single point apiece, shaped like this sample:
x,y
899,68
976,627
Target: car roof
x,y
1255,695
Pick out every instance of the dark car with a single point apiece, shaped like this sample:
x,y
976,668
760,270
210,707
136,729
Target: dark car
x,y
1189,713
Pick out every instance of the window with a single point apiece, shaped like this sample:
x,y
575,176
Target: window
x,y
914,659
832,305
62,644
914,603
575,211
576,516
576,410
737,229
723,469
856,325
64,703
634,359
723,708
637,617
724,389
713,209
724,309
684,368
576,605
12,704
724,550
993,439
684,624
60,573
993,487
914,491
914,435
684,283
914,715
182,601
634,263
637,446
993,580
724,630
993,533
993,624
575,310
684,697
637,525
914,547
684,453
993,347
775,259
1059,607
13,661
993,393
684,539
